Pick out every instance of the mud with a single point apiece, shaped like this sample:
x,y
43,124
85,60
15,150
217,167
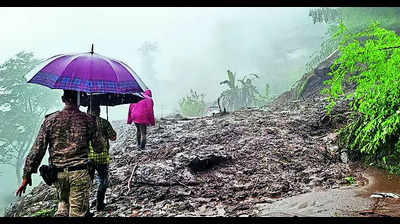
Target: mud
x,y
350,201
329,203
381,182
280,160
243,159
277,161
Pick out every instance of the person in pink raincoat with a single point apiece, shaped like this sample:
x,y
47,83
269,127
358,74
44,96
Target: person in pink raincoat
x,y
142,114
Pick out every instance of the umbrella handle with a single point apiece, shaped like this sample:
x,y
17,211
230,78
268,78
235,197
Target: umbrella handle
x,y
79,98
90,103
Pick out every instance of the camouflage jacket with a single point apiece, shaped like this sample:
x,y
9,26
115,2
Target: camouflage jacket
x,y
106,130
67,134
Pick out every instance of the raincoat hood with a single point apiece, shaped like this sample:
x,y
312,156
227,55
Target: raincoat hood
x,y
142,112
148,93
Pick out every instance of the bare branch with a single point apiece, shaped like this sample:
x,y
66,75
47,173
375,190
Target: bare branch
x,y
130,179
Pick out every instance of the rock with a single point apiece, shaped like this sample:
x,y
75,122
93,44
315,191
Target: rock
x,y
334,149
344,157
206,162
384,195
213,166
316,181
203,209
221,211
135,206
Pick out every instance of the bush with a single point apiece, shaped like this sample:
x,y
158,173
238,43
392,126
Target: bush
x,y
370,59
193,105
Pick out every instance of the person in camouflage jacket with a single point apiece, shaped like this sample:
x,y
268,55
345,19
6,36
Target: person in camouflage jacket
x,y
66,134
101,160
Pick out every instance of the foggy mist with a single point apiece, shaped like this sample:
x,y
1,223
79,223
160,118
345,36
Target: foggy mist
x,y
195,48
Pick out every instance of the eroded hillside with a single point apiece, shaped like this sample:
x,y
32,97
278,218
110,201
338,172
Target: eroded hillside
x,y
221,165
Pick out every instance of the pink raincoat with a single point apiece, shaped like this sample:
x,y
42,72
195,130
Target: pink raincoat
x,y
142,111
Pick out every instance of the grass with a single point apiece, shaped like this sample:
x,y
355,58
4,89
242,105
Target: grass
x,y
44,213
350,180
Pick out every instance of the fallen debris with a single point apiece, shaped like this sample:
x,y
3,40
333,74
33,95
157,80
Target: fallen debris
x,y
232,162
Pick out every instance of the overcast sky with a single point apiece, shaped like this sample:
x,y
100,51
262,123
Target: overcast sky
x,y
196,46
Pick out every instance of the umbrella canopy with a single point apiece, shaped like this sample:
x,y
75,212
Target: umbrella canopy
x,y
109,99
86,72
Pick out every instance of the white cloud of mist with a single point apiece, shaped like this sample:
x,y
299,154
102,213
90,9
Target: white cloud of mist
x,y
196,45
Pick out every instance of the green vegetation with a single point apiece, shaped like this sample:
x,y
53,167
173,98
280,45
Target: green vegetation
x,y
302,86
355,19
349,179
241,95
193,105
44,213
371,60
22,109
262,99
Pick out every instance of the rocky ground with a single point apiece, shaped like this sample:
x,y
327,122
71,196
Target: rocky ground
x,y
280,160
224,165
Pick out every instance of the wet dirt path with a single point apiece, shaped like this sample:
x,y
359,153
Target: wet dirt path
x,y
353,200
380,181
332,202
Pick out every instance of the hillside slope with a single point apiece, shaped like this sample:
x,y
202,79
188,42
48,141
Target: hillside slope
x,y
223,165
243,158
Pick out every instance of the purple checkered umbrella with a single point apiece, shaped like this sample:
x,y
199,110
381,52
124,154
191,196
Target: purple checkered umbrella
x,y
86,72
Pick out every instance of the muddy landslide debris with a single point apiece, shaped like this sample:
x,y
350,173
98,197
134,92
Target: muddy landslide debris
x,y
216,166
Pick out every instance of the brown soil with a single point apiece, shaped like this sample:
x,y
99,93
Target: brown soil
x,y
263,155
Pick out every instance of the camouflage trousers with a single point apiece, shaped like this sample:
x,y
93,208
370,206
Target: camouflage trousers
x,y
73,193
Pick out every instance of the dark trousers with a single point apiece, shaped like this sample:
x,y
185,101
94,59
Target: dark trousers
x,y
101,181
141,131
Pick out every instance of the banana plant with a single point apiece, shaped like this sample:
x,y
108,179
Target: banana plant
x,y
229,96
248,91
238,96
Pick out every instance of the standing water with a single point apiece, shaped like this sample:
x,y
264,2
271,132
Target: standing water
x,y
352,200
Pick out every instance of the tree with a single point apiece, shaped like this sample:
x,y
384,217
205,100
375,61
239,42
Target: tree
x,y
372,63
355,19
248,91
229,97
147,51
238,96
23,107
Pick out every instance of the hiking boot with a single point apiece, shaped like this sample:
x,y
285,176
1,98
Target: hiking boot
x,y
100,207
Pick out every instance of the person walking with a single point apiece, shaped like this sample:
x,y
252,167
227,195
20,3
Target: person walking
x,y
142,115
66,134
101,160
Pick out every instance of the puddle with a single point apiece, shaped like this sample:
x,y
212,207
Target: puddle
x,y
344,201
380,181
